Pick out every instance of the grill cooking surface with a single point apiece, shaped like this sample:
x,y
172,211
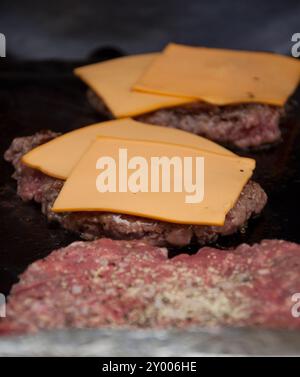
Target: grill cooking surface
x,y
35,96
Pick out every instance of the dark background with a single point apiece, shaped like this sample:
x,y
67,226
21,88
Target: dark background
x,y
72,29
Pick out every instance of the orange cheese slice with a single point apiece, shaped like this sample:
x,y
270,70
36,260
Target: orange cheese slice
x,y
221,77
113,81
221,182
58,157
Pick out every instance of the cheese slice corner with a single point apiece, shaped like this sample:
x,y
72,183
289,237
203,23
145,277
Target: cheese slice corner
x,y
59,156
220,76
112,81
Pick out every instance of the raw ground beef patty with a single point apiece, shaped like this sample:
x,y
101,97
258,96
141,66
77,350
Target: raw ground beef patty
x,y
34,185
242,126
108,283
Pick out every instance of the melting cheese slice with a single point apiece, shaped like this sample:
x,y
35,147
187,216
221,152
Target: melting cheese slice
x,y
224,179
58,157
221,77
113,81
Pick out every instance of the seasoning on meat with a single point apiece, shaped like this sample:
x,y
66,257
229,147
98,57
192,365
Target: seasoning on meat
x,y
116,284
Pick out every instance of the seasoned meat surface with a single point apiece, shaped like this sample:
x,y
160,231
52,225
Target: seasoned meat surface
x,y
132,284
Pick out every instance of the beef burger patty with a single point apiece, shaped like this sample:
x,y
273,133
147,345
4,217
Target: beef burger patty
x,y
132,284
34,185
242,126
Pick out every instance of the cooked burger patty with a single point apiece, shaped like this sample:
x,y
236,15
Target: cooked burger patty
x,y
108,283
34,185
243,126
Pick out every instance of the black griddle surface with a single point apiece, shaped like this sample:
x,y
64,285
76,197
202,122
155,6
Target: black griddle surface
x,y
45,95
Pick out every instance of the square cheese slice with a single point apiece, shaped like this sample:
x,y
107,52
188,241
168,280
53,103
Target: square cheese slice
x,y
220,76
223,180
113,80
59,156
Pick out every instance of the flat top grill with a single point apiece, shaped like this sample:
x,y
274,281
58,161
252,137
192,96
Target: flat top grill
x,y
35,96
